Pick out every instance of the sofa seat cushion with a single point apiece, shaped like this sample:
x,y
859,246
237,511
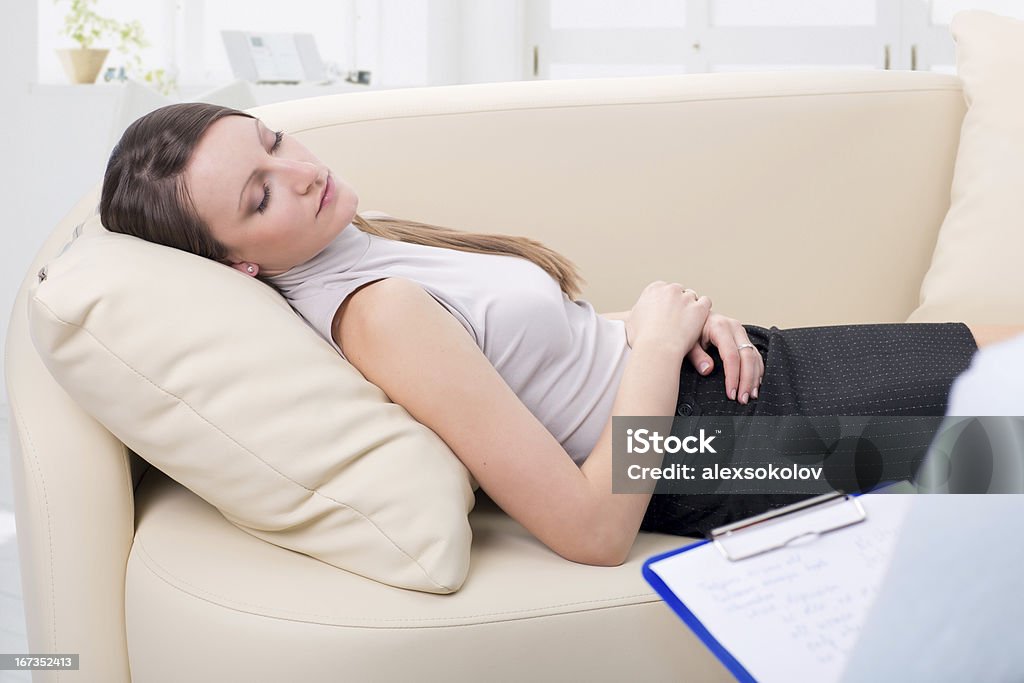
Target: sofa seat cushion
x,y
238,609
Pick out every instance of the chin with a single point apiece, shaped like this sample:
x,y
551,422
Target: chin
x,y
346,204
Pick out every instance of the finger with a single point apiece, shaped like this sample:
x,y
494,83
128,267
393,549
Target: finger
x,y
722,336
701,360
750,370
731,365
758,378
759,373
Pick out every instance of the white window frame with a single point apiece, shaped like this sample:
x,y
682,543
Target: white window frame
x,y
903,37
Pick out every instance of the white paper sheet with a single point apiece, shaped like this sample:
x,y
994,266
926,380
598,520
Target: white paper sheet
x,y
793,613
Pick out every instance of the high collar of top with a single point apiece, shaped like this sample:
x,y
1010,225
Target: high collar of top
x,y
340,255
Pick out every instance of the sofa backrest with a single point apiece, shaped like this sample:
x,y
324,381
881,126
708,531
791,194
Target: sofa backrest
x,y
789,198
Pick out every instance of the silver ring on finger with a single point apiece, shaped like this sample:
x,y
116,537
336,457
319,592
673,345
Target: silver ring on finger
x,y
695,297
745,346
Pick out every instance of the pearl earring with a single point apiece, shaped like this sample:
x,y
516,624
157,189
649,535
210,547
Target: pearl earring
x,y
251,269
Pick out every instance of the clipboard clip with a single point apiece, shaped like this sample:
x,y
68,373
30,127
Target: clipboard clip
x,y
775,529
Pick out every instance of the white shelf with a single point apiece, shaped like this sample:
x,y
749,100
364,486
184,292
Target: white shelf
x,y
264,92
76,90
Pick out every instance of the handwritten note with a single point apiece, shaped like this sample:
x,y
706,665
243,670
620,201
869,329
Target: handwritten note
x,y
793,613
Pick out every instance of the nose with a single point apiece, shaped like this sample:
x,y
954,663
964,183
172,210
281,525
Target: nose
x,y
302,175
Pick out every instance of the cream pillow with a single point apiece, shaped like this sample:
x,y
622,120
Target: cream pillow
x,y
975,275
211,377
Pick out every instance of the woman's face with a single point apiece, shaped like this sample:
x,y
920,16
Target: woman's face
x,y
262,198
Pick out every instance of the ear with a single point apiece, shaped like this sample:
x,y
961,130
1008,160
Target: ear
x,y
247,268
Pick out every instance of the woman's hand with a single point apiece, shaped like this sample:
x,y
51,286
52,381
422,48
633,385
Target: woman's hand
x,y
669,317
744,367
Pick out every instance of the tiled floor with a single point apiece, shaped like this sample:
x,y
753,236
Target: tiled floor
x,y
12,612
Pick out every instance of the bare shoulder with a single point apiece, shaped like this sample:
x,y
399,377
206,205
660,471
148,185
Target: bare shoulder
x,y
374,298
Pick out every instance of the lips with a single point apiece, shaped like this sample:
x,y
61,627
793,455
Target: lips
x,y
328,194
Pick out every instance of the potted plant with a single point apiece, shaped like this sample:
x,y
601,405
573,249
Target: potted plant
x,y
87,28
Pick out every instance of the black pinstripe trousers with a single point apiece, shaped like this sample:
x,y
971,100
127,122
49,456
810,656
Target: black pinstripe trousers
x,y
855,370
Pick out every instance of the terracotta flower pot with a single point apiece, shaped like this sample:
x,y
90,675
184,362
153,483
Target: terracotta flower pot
x,y
82,65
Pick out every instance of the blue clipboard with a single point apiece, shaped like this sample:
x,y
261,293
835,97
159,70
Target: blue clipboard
x,y
720,537
687,616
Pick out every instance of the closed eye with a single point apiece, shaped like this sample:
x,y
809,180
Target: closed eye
x,y
278,136
266,197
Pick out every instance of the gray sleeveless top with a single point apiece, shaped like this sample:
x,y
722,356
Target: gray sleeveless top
x,y
562,359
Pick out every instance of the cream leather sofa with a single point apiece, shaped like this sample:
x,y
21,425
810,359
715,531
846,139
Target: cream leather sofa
x,y
789,198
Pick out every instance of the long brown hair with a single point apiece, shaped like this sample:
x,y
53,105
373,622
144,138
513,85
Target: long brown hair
x,y
144,195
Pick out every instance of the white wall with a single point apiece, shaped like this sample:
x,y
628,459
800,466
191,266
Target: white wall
x,y
58,151
492,42
444,45
445,42
15,51
58,137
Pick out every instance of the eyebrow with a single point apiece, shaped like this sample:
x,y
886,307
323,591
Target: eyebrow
x,y
255,172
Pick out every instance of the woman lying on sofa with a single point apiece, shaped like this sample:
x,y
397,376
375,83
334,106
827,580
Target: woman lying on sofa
x,y
517,376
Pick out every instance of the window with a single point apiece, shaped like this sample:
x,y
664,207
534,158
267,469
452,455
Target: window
x,y
425,42
581,38
185,34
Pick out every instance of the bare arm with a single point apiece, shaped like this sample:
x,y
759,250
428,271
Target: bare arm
x,y
993,334
445,382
